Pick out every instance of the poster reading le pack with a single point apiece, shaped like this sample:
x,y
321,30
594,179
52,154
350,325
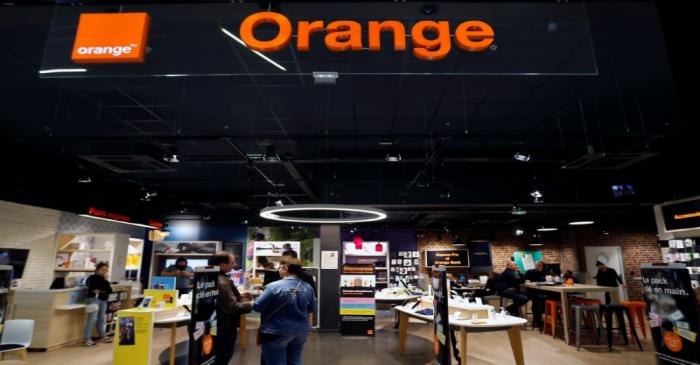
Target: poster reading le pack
x,y
441,320
357,306
203,324
673,314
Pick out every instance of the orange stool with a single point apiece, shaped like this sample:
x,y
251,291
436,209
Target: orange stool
x,y
637,309
551,308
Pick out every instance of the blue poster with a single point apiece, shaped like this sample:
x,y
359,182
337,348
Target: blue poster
x,y
163,282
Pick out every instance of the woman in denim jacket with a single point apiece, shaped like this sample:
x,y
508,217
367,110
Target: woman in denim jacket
x,y
285,306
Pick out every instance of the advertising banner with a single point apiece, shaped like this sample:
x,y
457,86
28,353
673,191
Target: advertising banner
x,y
357,305
448,258
673,313
526,259
161,298
163,282
203,324
441,321
133,336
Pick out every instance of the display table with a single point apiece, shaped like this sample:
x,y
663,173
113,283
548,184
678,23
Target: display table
x,y
510,324
59,315
182,317
565,290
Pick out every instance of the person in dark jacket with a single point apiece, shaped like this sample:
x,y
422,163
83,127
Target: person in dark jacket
x,y
508,286
98,290
229,307
537,297
607,277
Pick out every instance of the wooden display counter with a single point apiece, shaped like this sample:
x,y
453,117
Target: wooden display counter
x,y
59,315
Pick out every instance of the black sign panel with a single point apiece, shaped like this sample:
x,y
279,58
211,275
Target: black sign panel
x,y
673,314
685,215
203,327
447,258
441,321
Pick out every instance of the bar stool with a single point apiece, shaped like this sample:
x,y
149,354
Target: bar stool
x,y
551,308
619,311
592,323
637,309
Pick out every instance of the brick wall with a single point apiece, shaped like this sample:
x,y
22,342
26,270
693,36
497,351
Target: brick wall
x,y
565,247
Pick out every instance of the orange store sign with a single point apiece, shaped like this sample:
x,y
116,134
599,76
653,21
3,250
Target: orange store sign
x,y
111,38
346,35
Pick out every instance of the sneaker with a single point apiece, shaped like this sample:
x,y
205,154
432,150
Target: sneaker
x,y
89,344
105,340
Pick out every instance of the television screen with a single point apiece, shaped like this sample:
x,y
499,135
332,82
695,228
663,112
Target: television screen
x,y
17,258
193,263
622,190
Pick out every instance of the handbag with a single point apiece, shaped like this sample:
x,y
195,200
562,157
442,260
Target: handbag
x,y
258,337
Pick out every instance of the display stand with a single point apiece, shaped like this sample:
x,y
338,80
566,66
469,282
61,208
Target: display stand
x,y
369,252
357,303
133,340
403,268
203,326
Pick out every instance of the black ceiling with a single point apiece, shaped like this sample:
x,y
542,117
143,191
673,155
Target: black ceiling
x,y
455,134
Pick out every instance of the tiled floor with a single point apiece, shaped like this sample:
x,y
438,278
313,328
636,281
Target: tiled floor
x,y
330,348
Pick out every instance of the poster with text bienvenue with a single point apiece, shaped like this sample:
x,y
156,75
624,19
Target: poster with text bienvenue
x,y
203,324
673,314
357,305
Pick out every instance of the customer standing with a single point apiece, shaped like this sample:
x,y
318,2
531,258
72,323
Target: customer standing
x,y
285,306
98,290
229,307
183,275
607,277
508,286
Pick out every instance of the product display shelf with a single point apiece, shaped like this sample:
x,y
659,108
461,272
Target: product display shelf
x,y
366,253
79,253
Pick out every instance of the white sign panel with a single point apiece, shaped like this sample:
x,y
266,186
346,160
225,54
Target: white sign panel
x,y
329,260
276,248
367,248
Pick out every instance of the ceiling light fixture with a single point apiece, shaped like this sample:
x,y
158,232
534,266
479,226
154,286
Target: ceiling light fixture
x,y
445,194
270,154
84,179
393,156
279,203
370,214
536,194
516,210
522,157
519,232
386,142
325,77
233,36
61,70
538,200
581,223
171,157
547,229
536,244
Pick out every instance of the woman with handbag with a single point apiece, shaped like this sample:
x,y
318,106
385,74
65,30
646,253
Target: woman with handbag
x,y
284,309
98,290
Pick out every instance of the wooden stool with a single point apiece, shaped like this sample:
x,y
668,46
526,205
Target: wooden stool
x,y
637,309
551,308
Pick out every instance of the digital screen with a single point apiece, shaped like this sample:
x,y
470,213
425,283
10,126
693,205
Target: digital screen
x,y
17,258
679,216
448,258
193,263
622,190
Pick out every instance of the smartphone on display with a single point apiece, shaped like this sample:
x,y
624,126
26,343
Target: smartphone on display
x,y
146,302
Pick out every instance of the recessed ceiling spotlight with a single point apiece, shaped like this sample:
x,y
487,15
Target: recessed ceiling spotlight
x,y
325,77
522,157
581,223
519,232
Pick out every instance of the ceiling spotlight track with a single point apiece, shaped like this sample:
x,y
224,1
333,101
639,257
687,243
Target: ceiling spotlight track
x,y
369,214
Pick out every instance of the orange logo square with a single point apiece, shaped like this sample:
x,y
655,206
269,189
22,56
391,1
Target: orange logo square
x,y
111,38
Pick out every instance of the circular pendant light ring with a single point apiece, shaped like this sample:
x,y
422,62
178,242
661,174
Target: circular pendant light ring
x,y
366,214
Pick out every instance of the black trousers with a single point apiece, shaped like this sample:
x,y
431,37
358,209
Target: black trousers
x,y
537,305
455,350
224,344
519,300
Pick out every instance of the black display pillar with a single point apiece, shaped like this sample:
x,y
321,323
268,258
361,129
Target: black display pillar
x,y
329,295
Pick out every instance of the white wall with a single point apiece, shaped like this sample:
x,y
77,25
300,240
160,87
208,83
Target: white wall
x,y
33,228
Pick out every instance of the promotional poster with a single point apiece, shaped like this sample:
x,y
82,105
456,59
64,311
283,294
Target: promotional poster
x,y
133,337
357,305
161,298
673,313
203,324
441,321
163,282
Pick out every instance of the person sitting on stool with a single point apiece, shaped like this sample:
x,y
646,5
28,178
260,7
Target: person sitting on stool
x,y
508,286
536,275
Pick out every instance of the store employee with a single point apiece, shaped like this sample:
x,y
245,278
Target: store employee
x,y
183,275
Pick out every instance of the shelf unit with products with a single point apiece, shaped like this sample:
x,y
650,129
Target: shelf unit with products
x,y
77,254
685,251
369,252
404,267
